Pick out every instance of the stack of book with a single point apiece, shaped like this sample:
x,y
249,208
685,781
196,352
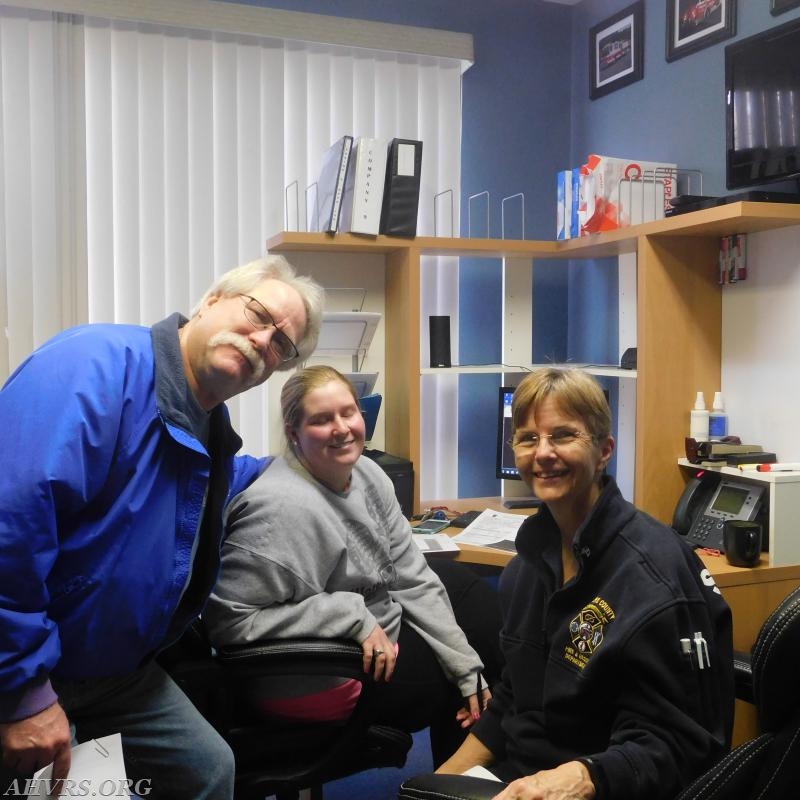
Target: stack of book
x,y
369,186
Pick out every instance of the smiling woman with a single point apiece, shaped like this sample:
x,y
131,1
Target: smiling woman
x,y
562,443
318,546
324,425
596,698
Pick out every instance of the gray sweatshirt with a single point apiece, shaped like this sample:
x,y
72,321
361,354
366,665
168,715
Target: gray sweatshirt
x,y
303,560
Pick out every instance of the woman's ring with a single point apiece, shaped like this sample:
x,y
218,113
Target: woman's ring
x,y
377,652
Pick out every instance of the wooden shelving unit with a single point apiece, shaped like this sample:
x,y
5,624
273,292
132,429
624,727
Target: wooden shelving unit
x,y
679,318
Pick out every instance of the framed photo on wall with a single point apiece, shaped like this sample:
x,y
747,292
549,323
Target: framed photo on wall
x,y
616,51
779,6
695,24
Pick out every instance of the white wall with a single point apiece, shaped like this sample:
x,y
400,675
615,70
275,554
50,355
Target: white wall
x,y
761,346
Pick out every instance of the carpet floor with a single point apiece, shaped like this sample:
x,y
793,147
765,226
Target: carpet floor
x,y
382,784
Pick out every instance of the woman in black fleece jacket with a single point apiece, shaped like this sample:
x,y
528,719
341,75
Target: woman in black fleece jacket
x,y
618,646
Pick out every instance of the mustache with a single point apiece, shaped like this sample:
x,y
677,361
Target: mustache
x,y
244,347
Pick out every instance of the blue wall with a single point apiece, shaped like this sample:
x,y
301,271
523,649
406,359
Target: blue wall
x,y
677,112
527,114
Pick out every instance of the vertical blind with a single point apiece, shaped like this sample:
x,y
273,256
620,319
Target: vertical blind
x,y
140,161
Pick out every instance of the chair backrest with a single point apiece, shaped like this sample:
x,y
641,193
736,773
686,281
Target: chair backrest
x,y
275,758
775,661
764,768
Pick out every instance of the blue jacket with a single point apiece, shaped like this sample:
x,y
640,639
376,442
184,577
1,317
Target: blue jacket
x,y
103,488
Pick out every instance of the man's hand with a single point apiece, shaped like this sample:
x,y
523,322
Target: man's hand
x,y
32,743
568,781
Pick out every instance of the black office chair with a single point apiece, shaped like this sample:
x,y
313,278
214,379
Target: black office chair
x,y
275,757
763,768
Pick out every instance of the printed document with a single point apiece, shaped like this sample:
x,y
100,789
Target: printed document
x,y
496,529
97,769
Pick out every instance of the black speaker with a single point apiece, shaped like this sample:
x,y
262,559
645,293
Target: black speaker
x,y
440,341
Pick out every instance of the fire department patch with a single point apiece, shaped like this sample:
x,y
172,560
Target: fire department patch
x,y
587,630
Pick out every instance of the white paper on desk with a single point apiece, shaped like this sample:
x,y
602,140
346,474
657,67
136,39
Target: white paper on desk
x,y
492,529
435,543
97,770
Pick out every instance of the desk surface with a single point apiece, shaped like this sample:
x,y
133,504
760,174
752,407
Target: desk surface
x,y
472,554
723,572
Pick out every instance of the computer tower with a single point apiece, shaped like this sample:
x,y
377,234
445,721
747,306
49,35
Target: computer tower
x,y
401,474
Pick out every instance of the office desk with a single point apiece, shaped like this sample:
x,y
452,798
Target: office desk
x,y
751,592
471,554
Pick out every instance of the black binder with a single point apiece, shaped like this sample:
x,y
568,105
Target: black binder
x,y
330,186
401,189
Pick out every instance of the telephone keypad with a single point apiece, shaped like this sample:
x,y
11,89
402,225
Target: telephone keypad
x,y
704,528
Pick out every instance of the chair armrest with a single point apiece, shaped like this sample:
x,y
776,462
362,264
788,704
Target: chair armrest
x,y
433,786
743,676
309,656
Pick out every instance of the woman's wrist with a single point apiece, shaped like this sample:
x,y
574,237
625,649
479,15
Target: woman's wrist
x,y
594,777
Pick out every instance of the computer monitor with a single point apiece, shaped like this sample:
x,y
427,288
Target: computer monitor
x,y
506,467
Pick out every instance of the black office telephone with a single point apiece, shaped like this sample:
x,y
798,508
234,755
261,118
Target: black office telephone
x,y
709,500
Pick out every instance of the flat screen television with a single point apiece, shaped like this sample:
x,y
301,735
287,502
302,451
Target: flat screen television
x,y
762,96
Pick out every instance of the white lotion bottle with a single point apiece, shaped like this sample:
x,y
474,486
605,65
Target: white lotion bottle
x,y
698,419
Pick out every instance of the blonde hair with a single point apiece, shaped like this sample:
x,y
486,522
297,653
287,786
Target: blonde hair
x,y
300,385
241,280
575,392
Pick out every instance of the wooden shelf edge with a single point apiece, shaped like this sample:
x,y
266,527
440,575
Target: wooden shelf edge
x,y
741,217
480,369
735,472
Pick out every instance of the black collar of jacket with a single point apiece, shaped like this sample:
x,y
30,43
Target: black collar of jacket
x,y
539,537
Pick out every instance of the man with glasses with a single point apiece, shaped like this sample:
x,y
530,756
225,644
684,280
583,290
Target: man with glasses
x,y
119,459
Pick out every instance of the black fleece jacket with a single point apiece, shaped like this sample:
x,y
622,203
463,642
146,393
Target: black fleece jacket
x,y
595,669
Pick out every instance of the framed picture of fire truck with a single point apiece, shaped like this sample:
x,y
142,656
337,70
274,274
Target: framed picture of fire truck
x,y
779,6
616,51
695,24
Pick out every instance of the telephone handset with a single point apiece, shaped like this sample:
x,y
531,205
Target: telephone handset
x,y
708,501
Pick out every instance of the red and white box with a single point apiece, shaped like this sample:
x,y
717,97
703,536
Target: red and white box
x,y
617,192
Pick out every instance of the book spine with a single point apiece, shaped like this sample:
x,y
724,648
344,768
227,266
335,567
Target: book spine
x,y
337,197
563,203
574,225
370,176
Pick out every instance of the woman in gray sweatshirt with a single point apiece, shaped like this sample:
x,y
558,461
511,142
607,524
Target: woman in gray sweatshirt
x,y
318,546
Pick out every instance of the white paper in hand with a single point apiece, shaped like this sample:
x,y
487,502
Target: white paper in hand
x,y
481,772
97,770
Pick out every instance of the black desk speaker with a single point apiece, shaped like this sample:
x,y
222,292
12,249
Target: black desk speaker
x,y
440,341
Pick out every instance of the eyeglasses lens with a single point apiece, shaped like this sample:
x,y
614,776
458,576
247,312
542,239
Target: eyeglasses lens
x,y
258,316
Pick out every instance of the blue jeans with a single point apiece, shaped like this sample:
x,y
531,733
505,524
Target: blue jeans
x,y
169,748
